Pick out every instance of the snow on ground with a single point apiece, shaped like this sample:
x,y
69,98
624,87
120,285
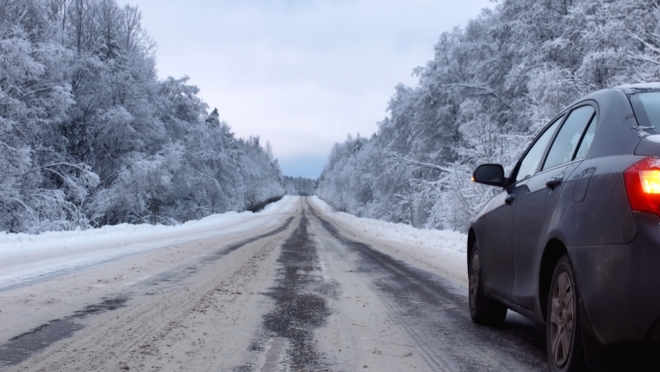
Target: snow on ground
x,y
443,250
25,257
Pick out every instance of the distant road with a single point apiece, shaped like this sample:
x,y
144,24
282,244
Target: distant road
x,y
296,292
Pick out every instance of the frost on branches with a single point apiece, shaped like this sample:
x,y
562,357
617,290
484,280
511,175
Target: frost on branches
x,y
489,89
89,136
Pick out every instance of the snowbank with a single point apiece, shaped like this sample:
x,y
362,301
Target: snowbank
x,y
119,233
432,240
444,250
26,256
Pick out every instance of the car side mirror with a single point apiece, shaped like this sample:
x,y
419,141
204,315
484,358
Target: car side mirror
x,y
490,174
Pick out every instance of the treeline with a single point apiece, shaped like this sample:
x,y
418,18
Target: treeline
x,y
299,185
89,136
490,87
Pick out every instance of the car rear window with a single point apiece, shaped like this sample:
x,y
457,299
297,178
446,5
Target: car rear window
x,y
647,109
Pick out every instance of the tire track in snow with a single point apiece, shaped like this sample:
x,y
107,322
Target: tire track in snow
x,y
436,318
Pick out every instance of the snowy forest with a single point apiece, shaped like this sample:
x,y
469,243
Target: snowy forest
x,y
89,135
489,89
299,185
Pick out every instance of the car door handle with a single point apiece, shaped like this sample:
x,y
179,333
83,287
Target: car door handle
x,y
554,182
509,198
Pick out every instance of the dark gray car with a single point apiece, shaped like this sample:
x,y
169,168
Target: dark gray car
x,y
573,240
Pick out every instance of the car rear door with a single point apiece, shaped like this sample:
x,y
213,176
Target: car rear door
x,y
536,201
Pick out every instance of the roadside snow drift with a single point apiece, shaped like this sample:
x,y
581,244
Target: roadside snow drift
x,y
25,257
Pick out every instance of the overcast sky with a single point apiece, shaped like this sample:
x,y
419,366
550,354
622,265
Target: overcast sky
x,y
302,74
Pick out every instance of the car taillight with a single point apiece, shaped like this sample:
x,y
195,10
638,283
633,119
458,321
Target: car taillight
x,y
642,181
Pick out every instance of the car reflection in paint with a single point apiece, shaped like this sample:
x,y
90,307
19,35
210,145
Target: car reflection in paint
x,y
573,240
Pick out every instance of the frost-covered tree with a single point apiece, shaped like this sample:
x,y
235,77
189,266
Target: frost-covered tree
x,y
89,136
489,89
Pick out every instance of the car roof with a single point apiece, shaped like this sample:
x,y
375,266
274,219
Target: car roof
x,y
637,88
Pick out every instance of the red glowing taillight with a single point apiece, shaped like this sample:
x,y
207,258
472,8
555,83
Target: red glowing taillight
x,y
642,181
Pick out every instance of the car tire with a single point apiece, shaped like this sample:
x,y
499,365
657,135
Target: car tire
x,y
483,310
564,331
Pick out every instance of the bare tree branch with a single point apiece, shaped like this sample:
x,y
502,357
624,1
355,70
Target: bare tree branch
x,y
484,91
35,92
402,160
77,166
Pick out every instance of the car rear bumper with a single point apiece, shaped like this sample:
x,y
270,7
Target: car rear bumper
x,y
620,286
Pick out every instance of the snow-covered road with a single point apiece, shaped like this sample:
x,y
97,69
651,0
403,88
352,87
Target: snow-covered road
x,y
294,287
25,258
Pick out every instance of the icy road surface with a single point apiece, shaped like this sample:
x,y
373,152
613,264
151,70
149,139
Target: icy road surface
x,y
295,287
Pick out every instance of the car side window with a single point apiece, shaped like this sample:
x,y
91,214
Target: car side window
x,y
530,163
567,140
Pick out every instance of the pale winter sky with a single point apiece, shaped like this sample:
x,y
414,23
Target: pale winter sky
x,y
302,74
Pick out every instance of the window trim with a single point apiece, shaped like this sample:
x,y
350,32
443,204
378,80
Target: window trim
x,y
594,117
554,138
561,118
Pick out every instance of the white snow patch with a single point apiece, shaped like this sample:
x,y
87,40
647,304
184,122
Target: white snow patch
x,y
655,138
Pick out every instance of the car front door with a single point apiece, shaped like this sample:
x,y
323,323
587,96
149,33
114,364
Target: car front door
x,y
535,203
496,253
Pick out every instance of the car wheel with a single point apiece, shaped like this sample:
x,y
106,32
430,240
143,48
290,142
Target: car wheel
x,y
483,310
564,332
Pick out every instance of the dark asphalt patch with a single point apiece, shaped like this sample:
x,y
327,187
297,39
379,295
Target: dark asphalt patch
x,y
297,312
107,305
23,346
300,304
235,246
436,317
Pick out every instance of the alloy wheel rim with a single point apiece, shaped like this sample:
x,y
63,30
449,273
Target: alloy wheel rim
x,y
562,319
474,279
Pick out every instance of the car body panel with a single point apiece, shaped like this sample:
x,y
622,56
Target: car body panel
x,y
597,219
616,134
619,284
496,254
649,145
533,211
